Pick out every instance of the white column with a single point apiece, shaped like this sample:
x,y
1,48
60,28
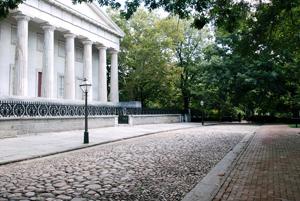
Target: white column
x,y
69,75
102,76
114,77
87,65
48,62
20,85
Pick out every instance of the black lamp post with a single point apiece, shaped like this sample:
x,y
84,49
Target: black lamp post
x,y
202,111
85,86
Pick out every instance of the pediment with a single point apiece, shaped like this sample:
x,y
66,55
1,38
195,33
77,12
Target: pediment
x,y
94,13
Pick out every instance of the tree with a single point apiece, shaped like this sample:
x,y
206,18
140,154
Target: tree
x,y
7,5
146,71
255,67
252,66
203,11
189,54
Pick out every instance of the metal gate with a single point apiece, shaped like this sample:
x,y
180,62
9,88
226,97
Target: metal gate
x,y
123,119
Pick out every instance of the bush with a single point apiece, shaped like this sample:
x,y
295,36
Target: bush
x,y
272,119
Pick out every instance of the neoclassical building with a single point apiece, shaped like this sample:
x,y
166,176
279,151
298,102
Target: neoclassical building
x,y
49,46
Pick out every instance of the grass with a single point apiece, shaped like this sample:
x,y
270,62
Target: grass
x,y
294,125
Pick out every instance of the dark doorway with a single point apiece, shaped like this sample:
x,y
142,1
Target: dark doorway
x,y
40,84
123,119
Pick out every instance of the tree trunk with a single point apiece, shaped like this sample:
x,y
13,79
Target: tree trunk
x,y
185,94
142,99
186,103
141,96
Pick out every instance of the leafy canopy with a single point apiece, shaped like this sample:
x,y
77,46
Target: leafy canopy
x,y
223,12
146,73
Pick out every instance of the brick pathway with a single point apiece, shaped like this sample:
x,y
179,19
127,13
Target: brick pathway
x,y
269,169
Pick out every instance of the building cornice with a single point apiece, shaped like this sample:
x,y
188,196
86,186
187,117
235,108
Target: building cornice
x,y
107,19
118,33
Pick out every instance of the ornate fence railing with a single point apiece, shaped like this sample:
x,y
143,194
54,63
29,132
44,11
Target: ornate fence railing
x,y
14,108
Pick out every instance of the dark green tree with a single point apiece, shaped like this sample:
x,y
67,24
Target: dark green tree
x,y
7,5
255,67
189,54
201,11
146,73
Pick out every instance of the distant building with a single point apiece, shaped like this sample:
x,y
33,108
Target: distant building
x,y
49,46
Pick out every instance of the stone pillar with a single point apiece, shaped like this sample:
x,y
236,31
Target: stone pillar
x,y
20,85
69,75
87,65
114,77
48,62
102,76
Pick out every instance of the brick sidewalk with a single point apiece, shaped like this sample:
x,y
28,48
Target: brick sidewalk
x,y
269,169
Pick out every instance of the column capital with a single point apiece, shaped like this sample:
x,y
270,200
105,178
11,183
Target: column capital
x,y
48,27
101,47
87,42
113,51
69,35
20,16
21,60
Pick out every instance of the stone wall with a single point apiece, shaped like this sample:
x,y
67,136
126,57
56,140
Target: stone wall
x,y
154,119
14,127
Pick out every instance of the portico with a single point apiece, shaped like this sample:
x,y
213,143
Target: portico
x,y
47,48
76,41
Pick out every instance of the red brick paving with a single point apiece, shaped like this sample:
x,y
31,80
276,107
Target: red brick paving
x,y
269,169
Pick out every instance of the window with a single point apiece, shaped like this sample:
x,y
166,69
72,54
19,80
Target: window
x,y
79,54
61,49
13,35
60,86
40,42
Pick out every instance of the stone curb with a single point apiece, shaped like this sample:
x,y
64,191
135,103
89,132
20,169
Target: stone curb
x,y
83,146
209,186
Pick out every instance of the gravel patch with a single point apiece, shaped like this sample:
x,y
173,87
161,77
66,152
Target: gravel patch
x,y
163,166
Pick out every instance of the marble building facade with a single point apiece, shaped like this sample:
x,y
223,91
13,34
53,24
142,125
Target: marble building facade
x,y
49,46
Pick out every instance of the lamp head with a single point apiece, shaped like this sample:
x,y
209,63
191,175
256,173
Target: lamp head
x,y
85,85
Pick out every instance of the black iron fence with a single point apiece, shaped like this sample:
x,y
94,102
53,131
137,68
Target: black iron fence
x,y
14,108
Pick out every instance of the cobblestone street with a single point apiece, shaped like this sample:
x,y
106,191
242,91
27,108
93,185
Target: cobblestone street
x,y
163,166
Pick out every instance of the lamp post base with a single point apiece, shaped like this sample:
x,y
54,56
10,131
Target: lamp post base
x,y
86,137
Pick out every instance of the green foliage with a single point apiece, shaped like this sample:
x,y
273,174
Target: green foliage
x,y
159,59
189,55
146,73
112,3
294,125
255,67
223,12
6,5
250,65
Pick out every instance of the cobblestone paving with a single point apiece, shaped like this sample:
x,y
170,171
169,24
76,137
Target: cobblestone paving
x,y
164,166
268,170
